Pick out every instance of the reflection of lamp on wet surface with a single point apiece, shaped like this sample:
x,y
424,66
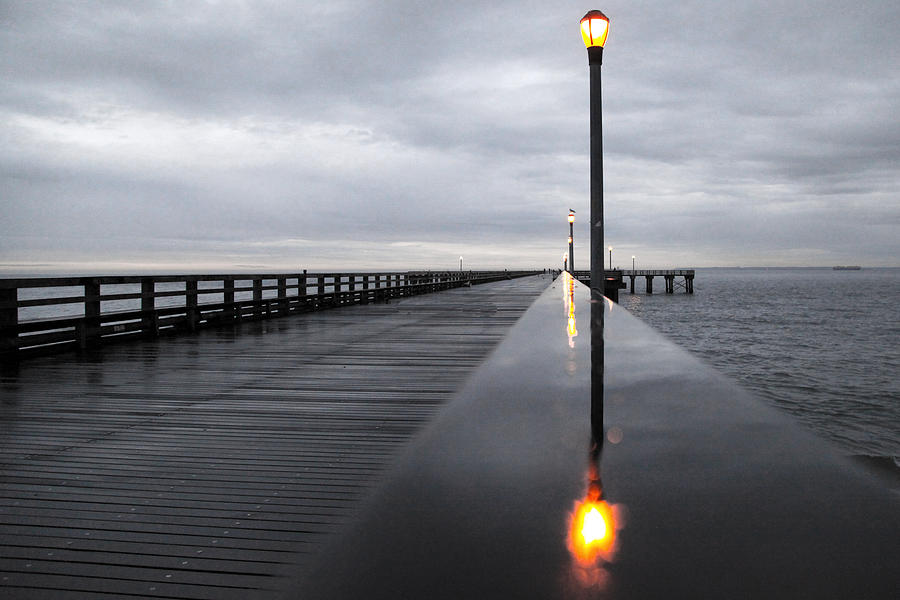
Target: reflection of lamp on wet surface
x,y
571,330
593,527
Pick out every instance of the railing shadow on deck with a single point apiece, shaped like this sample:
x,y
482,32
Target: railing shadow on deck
x,y
90,311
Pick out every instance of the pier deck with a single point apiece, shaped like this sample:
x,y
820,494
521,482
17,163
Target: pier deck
x,y
200,466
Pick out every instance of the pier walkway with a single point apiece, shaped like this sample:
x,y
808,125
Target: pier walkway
x,y
201,466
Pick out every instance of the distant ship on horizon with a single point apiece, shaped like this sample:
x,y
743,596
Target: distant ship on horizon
x,y
847,268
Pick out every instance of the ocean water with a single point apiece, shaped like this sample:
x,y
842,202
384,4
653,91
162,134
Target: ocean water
x,y
820,344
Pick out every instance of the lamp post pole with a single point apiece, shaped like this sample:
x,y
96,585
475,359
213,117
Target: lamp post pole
x,y
632,264
594,29
572,241
460,263
610,258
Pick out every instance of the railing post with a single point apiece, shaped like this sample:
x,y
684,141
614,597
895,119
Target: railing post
x,y
149,316
229,309
9,322
190,305
88,331
282,296
320,291
301,289
257,296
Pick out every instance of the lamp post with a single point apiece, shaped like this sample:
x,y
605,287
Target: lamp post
x,y
460,263
565,261
594,29
572,240
632,264
610,258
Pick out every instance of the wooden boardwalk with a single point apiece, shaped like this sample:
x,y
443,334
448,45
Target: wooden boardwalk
x,y
207,466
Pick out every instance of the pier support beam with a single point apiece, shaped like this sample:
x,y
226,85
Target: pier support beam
x,y
649,279
632,283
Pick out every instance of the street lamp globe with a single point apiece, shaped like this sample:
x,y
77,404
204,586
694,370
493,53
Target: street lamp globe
x,y
594,29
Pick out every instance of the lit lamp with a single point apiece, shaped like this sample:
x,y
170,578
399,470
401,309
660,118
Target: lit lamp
x,y
572,239
594,29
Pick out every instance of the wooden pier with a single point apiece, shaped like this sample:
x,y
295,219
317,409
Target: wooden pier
x,y
150,306
668,275
207,466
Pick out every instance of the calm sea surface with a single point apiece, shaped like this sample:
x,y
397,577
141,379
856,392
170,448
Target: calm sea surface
x,y
822,345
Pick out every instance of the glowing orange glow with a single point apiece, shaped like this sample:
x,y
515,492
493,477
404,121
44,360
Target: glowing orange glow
x,y
594,29
593,533
570,239
594,527
571,217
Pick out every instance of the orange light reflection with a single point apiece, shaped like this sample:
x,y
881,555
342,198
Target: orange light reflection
x,y
593,530
571,329
592,537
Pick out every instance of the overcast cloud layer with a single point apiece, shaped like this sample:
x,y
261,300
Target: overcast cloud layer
x,y
272,136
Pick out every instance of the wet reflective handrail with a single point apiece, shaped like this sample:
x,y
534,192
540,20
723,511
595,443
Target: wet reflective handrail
x,y
700,490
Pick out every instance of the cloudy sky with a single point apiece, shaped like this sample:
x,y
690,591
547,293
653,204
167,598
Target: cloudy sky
x,y
270,136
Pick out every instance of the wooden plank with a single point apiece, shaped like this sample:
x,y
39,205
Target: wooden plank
x,y
119,464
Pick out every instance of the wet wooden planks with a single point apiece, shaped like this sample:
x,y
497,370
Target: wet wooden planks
x,y
207,466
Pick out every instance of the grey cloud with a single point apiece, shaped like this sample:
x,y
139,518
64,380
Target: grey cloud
x,y
459,122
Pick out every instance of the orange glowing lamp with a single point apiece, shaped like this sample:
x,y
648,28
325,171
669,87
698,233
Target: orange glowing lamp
x,y
571,217
594,29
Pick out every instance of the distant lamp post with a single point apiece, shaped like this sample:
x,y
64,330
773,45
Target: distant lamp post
x,y
632,262
572,239
594,29
460,263
565,261
610,258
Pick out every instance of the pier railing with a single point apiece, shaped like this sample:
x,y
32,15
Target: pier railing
x,y
41,315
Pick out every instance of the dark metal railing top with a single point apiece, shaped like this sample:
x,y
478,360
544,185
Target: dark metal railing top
x,y
47,314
